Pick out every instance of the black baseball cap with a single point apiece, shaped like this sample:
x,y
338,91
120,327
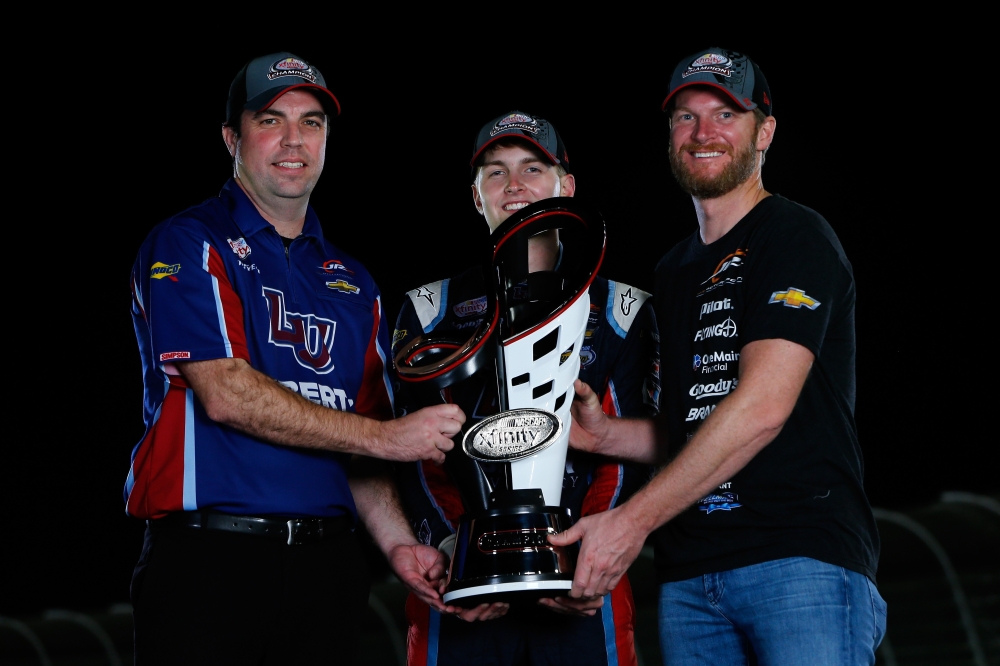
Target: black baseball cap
x,y
263,80
729,71
532,129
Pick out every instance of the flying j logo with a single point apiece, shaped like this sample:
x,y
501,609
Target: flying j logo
x,y
309,337
726,329
794,298
160,270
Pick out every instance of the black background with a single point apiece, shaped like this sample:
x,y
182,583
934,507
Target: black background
x,y
133,133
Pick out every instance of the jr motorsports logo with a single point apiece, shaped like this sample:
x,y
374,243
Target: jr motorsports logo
x,y
309,337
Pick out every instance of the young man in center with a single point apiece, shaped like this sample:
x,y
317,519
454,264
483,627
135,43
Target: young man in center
x,y
520,159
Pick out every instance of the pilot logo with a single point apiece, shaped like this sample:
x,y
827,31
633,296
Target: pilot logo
x,y
723,502
160,270
794,298
309,337
715,306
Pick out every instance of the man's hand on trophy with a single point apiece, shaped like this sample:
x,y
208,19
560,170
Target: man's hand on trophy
x,y
483,612
590,423
422,570
610,545
423,435
571,606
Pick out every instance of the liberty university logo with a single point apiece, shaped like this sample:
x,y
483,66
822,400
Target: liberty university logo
x,y
310,337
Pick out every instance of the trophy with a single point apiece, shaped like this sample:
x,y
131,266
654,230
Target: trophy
x,y
509,468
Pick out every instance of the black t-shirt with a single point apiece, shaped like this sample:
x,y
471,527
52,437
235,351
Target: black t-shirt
x,y
779,273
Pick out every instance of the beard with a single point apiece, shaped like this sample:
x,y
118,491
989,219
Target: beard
x,y
737,172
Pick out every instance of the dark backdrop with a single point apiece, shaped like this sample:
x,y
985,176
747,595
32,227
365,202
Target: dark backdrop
x,y
133,133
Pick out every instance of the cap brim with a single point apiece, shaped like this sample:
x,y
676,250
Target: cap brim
x,y
269,97
486,145
729,94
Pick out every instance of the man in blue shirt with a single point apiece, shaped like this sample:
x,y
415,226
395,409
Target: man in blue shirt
x,y
263,350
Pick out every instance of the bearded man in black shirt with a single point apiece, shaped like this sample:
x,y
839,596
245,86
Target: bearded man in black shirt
x,y
765,544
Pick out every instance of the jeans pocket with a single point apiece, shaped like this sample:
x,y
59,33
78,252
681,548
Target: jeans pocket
x,y
880,612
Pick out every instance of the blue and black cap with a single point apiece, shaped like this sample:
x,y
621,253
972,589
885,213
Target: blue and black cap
x,y
265,79
532,129
729,71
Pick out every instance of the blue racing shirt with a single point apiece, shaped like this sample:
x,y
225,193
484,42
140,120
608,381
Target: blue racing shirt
x,y
216,281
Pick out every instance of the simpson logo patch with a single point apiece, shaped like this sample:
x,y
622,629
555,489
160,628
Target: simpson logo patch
x,y
173,356
291,67
521,121
160,270
470,308
240,247
714,63
794,298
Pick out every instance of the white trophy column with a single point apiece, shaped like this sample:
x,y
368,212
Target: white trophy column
x,y
545,470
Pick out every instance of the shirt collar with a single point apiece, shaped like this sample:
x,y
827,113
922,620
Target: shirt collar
x,y
249,220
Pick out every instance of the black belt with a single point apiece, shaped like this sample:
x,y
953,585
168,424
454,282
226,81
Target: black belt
x,y
289,530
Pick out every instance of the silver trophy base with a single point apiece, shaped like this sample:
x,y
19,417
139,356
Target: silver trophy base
x,y
503,554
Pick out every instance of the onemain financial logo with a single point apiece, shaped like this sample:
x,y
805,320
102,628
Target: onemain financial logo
x,y
726,329
716,390
714,361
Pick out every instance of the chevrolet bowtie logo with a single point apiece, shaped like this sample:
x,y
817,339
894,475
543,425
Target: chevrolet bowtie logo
x,y
341,285
794,298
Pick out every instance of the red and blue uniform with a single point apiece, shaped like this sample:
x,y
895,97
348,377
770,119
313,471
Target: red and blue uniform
x,y
216,281
620,361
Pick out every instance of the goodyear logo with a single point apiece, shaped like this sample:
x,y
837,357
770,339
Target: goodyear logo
x,y
794,298
344,286
160,270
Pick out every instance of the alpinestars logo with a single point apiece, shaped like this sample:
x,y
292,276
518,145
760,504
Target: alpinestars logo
x,y
627,300
309,337
424,292
726,329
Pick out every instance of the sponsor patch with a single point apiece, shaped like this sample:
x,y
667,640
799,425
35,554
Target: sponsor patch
x,y
331,265
721,502
700,413
794,298
726,329
716,390
470,308
715,63
521,121
587,356
398,335
424,292
715,306
308,337
734,260
291,67
160,270
173,356
240,247
627,301
344,286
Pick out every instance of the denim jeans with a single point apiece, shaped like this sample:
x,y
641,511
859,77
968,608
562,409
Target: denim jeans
x,y
779,613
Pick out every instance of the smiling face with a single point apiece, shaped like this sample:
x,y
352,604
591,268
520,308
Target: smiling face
x,y
513,176
280,151
714,145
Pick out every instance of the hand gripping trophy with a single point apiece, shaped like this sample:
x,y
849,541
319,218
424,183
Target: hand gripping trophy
x,y
509,467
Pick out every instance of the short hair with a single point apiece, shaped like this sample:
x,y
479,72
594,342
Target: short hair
x,y
517,142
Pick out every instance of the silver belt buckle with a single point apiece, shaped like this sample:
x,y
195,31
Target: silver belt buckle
x,y
292,524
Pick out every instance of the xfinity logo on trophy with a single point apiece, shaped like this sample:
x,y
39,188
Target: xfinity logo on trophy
x,y
715,306
726,329
512,435
719,388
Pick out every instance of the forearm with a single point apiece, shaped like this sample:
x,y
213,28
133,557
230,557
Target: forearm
x,y
381,512
632,439
235,394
